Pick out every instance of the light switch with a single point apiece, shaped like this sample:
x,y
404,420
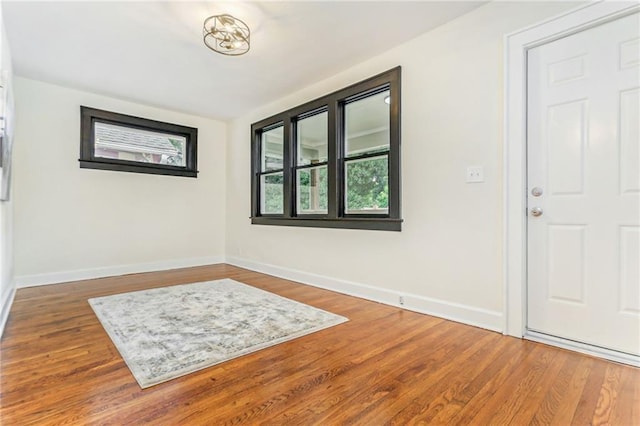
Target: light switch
x,y
475,174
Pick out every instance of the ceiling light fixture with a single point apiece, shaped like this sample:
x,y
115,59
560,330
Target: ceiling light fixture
x,y
226,34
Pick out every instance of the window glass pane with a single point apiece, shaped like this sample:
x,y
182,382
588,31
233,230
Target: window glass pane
x,y
312,190
367,182
367,125
143,146
271,193
272,149
312,139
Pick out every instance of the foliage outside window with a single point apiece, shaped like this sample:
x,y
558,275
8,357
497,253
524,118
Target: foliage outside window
x,y
113,141
333,162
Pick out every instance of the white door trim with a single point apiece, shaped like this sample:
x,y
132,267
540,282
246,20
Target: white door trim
x,y
515,161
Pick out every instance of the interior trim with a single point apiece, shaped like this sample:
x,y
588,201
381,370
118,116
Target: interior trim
x,y
584,348
6,307
515,237
113,271
470,315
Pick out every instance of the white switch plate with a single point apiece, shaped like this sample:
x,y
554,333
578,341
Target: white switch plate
x,y
475,174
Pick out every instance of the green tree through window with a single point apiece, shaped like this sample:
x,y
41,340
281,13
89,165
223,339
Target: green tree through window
x,y
367,185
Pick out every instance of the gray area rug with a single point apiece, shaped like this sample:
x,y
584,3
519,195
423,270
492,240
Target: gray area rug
x,y
168,332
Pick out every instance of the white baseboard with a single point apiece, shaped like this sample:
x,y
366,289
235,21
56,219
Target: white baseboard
x,y
490,320
111,271
5,308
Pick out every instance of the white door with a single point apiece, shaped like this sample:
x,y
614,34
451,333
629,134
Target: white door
x,y
583,183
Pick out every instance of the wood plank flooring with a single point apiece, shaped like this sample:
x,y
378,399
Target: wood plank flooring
x,y
386,366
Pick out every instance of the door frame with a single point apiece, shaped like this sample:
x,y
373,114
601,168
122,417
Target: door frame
x,y
516,46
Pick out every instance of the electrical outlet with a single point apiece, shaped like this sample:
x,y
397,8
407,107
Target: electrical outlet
x,y
475,174
401,300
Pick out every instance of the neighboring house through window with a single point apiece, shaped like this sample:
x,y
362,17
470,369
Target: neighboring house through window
x,y
120,142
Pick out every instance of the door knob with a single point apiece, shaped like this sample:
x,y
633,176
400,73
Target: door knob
x,y
536,211
536,192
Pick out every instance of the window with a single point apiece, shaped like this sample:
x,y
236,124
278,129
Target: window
x,y
272,166
112,141
311,163
333,162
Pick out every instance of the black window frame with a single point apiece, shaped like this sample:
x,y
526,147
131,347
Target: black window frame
x,y
88,160
334,103
296,166
271,171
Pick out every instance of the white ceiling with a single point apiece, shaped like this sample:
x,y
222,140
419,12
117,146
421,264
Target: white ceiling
x,y
152,52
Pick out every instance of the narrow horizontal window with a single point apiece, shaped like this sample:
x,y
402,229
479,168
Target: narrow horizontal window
x,y
143,146
112,141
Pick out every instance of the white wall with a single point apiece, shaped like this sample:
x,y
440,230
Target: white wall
x,y
448,258
7,285
73,223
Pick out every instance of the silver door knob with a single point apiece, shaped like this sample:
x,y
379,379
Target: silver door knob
x,y
536,211
536,192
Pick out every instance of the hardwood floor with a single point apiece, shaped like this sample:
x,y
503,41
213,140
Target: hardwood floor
x,y
384,366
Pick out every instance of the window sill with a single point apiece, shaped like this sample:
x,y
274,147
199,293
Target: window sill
x,y
375,224
135,168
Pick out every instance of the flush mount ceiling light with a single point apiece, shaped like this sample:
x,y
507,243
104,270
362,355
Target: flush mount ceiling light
x,y
226,34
